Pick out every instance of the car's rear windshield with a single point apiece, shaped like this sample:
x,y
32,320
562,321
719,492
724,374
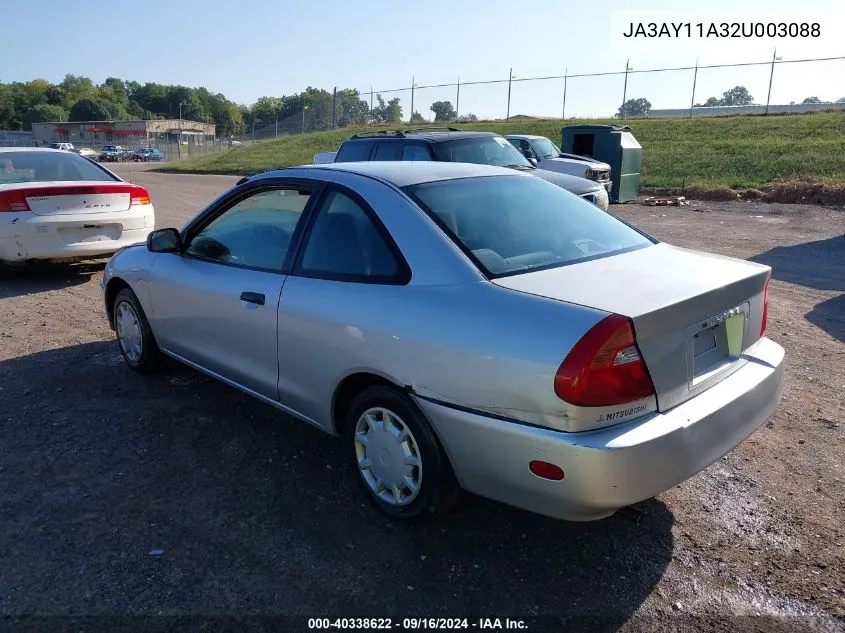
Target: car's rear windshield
x,y
515,224
48,166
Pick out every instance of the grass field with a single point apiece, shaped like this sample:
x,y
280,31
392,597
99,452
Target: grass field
x,y
737,152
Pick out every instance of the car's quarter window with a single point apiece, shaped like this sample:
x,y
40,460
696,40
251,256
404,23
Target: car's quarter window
x,y
514,224
416,151
255,232
348,243
353,151
386,151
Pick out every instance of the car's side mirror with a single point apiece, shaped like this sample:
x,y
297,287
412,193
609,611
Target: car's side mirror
x,y
164,241
532,160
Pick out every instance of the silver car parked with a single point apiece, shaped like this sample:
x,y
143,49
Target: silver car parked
x,y
461,326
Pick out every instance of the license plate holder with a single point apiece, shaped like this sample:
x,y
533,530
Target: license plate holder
x,y
717,343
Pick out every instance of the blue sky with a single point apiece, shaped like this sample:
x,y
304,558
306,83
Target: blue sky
x,y
246,50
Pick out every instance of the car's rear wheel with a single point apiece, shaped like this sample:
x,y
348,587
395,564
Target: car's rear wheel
x,y
134,336
397,459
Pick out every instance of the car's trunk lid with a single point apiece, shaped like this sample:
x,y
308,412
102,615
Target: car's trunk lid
x,y
75,197
694,313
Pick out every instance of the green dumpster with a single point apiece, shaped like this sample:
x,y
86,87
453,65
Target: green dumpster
x,y
614,145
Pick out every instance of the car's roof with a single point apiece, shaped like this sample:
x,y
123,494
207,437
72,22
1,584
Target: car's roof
x,y
432,136
407,173
32,149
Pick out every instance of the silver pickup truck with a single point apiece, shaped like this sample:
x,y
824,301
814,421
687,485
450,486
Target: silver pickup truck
x,y
546,155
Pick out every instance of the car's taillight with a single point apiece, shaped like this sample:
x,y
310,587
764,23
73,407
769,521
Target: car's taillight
x,y
139,195
605,367
765,307
13,201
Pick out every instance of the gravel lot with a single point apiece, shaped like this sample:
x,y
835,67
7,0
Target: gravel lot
x,y
175,495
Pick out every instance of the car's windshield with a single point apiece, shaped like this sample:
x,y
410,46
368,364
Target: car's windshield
x,y
483,150
513,224
545,147
48,166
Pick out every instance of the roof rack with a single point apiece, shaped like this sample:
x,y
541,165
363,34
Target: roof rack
x,y
401,133
432,127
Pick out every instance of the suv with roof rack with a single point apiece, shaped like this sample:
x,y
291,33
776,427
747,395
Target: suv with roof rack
x,y
456,146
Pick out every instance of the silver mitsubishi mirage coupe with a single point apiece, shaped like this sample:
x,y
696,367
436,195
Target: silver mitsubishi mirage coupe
x,y
460,326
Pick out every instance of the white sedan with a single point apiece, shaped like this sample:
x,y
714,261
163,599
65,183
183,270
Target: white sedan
x,y
56,205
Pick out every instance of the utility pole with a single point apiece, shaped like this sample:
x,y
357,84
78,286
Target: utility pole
x,y
334,107
413,85
510,78
565,78
304,108
458,100
277,122
625,89
694,79
371,102
771,76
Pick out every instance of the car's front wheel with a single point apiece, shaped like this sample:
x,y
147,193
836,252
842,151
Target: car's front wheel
x,y
134,336
397,459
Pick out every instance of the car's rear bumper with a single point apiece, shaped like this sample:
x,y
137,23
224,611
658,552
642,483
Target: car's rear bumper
x,y
26,236
610,468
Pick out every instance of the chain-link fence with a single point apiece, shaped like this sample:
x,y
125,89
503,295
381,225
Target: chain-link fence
x,y
772,86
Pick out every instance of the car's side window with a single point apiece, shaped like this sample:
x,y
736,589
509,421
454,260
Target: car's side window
x,y
346,244
526,149
415,151
255,232
386,151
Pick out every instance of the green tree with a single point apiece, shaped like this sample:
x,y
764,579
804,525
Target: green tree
x,y
416,117
812,100
34,93
76,88
467,118
94,110
634,107
390,112
736,96
115,90
711,102
840,100
266,109
443,111
42,113
351,108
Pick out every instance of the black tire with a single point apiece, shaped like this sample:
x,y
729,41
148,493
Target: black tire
x,y
151,359
439,490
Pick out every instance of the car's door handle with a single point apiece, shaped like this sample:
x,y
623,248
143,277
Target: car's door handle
x,y
253,297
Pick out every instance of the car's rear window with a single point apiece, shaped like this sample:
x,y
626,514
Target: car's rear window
x,y
515,224
48,166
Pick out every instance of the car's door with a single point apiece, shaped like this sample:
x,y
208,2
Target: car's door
x,y
215,303
347,279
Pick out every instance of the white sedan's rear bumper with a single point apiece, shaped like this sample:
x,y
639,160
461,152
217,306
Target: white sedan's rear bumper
x,y
25,236
613,467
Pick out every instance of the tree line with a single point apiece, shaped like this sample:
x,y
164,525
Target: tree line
x,y
78,98
736,96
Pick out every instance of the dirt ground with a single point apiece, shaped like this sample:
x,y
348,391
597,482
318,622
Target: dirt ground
x,y
126,495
